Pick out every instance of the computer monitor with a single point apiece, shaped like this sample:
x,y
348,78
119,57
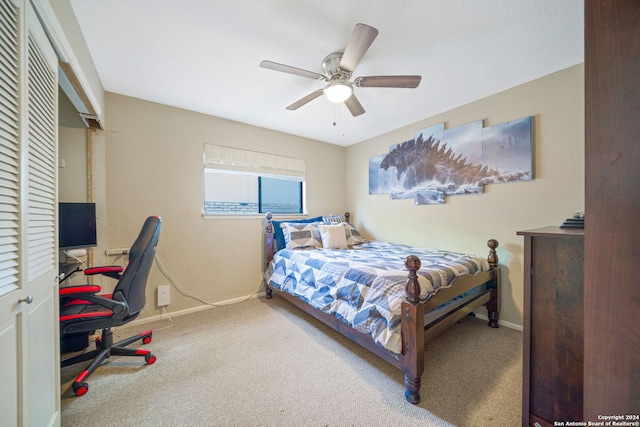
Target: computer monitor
x,y
76,225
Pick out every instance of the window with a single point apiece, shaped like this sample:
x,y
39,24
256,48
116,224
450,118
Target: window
x,y
243,182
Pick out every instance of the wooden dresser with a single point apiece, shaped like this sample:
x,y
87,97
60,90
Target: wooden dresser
x,y
553,326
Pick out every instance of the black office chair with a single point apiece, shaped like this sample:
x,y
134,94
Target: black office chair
x,y
83,310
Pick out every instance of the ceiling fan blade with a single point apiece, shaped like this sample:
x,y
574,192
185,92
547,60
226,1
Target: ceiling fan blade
x,y
291,70
409,82
361,38
299,103
354,106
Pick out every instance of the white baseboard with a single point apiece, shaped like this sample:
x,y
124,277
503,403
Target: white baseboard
x,y
173,314
501,322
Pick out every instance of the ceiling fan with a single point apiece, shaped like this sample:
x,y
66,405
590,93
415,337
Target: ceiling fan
x,y
338,67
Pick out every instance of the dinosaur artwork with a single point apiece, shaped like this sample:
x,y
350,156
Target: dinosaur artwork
x,y
439,162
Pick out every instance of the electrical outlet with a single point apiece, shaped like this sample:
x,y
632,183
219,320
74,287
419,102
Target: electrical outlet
x,y
163,293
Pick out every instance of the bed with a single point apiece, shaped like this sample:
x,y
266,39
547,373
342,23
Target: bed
x,y
388,298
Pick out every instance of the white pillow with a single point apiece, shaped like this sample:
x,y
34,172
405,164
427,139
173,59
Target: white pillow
x,y
333,236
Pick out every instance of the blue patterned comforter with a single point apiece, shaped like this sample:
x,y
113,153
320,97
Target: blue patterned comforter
x,y
364,286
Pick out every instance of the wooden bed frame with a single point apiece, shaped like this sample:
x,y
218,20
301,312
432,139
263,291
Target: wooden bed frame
x,y
414,331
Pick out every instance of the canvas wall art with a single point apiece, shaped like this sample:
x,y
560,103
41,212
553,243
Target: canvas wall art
x,y
441,162
380,180
507,151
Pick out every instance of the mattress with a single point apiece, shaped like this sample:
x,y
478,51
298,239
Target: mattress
x,y
364,285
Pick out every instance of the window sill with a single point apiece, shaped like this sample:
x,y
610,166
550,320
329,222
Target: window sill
x,y
253,216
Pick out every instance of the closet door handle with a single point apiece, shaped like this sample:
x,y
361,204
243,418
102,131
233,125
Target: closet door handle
x,y
28,300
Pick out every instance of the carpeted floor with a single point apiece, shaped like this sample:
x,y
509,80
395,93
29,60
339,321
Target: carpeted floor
x,y
266,363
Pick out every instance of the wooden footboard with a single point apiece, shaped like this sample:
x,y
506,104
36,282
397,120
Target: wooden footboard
x,y
414,331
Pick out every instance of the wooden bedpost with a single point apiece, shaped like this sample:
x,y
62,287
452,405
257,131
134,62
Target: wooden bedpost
x,y
412,323
492,304
493,256
347,215
269,248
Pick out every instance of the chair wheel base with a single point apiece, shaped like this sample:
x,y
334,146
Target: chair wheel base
x,y
80,389
146,337
85,309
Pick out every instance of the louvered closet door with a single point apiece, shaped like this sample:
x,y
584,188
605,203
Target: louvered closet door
x,y
10,291
29,378
40,329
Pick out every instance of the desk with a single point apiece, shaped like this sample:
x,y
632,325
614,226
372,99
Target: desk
x,y
67,270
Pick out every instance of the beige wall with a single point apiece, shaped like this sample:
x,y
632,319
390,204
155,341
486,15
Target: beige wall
x,y
465,223
154,166
72,164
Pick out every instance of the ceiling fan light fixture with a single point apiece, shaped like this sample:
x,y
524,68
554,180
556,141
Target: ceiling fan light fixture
x,y
338,91
338,68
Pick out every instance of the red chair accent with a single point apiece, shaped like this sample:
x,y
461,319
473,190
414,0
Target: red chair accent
x,y
83,310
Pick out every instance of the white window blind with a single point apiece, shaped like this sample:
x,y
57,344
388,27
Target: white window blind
x,y
229,159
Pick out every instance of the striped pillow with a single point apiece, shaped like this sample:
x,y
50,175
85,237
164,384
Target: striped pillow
x,y
333,219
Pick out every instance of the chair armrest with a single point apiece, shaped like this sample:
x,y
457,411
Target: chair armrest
x,y
78,291
74,295
114,271
86,294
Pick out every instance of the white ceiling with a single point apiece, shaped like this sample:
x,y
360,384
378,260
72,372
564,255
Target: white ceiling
x,y
204,55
